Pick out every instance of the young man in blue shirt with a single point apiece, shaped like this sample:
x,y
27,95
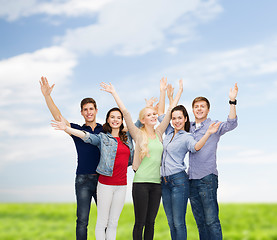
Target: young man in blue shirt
x,y
88,157
203,172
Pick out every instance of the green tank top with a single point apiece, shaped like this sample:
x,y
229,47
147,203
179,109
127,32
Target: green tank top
x,y
149,169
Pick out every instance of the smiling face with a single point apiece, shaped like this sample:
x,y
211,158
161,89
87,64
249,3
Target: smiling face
x,y
89,112
115,119
148,116
200,111
178,120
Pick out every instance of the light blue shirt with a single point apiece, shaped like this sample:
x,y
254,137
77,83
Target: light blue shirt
x,y
175,149
203,162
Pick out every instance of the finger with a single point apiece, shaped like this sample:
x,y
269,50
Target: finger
x,y
42,80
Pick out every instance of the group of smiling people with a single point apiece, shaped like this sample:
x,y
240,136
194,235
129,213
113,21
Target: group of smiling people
x,y
157,158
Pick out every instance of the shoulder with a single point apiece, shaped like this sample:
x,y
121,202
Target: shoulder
x,y
76,126
98,125
184,135
208,122
161,117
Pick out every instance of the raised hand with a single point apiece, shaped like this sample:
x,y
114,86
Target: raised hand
x,y
163,84
213,128
233,92
175,101
150,102
45,87
107,87
59,125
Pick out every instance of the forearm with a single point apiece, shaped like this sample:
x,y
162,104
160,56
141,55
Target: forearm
x,y
232,96
164,124
232,113
176,99
161,103
75,132
118,101
54,109
132,128
202,141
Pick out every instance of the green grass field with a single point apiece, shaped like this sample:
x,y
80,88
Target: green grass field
x,y
57,222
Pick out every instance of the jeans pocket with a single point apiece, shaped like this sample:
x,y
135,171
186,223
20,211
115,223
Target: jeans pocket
x,y
210,181
179,181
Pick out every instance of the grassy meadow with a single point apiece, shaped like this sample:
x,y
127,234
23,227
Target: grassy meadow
x,y
57,222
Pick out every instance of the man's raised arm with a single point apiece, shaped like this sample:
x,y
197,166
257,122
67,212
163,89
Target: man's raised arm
x,y
232,95
46,91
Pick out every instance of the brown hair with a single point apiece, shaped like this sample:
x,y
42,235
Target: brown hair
x,y
198,99
107,128
185,113
88,100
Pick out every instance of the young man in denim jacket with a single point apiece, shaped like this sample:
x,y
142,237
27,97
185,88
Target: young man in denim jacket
x,y
203,172
88,157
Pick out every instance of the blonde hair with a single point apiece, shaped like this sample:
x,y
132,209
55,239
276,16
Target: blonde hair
x,y
144,141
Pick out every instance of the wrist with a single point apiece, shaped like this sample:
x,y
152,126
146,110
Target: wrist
x,y
233,101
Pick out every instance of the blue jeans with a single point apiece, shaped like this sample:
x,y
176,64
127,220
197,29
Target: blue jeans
x,y
175,192
203,199
85,189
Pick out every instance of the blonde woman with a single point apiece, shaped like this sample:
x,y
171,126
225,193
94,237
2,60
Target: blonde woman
x,y
147,160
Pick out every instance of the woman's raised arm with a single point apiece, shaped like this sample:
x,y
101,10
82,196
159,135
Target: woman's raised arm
x,y
110,89
61,125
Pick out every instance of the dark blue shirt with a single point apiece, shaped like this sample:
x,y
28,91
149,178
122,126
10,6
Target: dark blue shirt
x,y
88,155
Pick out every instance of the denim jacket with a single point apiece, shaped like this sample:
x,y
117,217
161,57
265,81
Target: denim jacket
x,y
107,145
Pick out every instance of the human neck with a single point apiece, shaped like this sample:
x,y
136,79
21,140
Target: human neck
x,y
115,132
91,124
200,120
150,130
175,130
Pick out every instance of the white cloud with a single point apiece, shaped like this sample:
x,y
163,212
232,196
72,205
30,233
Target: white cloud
x,y
22,106
19,74
13,10
256,60
136,27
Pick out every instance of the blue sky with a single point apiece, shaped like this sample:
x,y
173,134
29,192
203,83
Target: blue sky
x,y
77,44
